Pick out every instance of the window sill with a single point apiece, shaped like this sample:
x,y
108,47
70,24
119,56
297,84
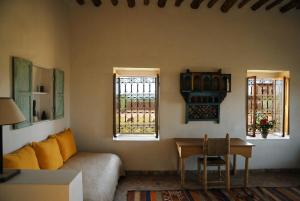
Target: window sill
x,y
133,137
272,136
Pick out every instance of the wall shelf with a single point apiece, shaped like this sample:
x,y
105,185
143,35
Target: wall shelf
x,y
203,93
39,93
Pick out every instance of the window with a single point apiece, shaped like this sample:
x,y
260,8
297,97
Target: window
x,y
136,100
268,96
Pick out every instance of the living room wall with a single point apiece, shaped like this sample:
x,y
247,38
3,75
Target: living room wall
x,y
37,31
174,39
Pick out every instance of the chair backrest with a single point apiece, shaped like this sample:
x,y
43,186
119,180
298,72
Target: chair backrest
x,y
216,147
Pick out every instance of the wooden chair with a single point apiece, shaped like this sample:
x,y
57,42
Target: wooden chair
x,y
213,151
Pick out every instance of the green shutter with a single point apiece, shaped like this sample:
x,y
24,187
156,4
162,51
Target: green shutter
x,y
58,94
22,89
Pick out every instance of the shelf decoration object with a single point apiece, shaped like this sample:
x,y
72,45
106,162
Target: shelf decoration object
x,y
203,93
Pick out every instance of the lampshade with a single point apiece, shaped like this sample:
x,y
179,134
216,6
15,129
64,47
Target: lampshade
x,y
10,112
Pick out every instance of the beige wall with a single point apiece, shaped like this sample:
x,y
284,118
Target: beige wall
x,y
37,30
171,39
174,39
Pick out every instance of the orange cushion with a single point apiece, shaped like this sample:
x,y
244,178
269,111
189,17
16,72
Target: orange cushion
x,y
66,144
48,154
23,158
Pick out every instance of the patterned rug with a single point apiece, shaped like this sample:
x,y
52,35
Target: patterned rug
x,y
236,194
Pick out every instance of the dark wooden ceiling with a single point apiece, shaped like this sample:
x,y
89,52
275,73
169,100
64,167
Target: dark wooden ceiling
x,y
282,5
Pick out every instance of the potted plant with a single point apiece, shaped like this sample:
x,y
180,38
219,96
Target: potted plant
x,y
264,125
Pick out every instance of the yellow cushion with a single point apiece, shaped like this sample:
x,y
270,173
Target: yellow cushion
x,y
66,144
23,158
48,154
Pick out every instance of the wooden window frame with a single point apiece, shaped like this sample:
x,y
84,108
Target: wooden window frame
x,y
285,105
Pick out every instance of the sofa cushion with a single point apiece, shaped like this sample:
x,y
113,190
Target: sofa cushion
x,y
100,174
23,158
66,144
48,154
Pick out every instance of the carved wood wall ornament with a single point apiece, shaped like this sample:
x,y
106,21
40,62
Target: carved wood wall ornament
x,y
203,93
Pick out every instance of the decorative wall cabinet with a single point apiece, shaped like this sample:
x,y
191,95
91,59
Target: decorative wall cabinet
x,y
203,93
39,92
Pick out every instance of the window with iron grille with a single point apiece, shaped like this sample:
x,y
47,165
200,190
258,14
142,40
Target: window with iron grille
x,y
136,99
268,97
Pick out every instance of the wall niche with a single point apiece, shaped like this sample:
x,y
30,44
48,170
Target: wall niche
x,y
42,93
39,92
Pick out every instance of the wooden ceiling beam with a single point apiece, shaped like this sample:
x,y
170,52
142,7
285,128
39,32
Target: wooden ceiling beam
x,y
146,2
227,5
131,3
258,4
80,2
292,4
273,4
114,2
196,3
211,3
161,3
97,3
243,3
178,3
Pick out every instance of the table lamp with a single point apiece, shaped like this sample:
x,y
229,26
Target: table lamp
x,y
9,114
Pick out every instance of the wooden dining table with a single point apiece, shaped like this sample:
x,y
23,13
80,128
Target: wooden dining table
x,y
187,147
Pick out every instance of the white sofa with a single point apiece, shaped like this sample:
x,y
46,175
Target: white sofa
x,y
100,174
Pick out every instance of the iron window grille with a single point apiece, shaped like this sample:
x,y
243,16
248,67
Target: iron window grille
x,y
268,97
136,100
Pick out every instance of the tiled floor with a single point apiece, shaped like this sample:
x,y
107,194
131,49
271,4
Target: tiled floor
x,y
263,179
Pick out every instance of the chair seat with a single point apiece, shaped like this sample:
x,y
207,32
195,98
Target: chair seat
x,y
213,160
